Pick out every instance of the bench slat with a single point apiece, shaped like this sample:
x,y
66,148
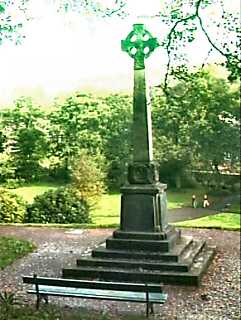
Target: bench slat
x,y
120,286
101,294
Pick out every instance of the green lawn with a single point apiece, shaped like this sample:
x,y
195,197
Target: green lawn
x,y
107,211
227,221
109,202
11,249
30,191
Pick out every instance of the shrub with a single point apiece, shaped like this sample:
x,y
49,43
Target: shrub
x,y
87,177
62,205
7,301
13,183
12,207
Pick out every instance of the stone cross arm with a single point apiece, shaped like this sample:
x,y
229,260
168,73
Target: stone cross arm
x,y
139,44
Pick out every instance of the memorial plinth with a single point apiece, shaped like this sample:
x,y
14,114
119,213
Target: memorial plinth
x,y
145,248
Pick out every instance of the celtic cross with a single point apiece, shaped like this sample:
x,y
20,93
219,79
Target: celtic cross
x,y
139,44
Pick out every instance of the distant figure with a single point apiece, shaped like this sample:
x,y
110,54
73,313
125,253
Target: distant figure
x,y
194,201
205,201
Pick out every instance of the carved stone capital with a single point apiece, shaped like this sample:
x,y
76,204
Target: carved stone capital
x,y
143,173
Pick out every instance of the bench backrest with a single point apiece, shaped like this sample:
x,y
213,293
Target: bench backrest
x,y
105,285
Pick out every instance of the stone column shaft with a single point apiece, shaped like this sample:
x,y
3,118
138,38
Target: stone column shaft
x,y
142,131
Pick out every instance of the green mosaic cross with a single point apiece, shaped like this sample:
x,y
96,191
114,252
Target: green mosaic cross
x,y
139,44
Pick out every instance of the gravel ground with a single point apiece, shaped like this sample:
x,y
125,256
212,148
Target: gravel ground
x,y
218,298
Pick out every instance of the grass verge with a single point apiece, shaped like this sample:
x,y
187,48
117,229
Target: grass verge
x,y
12,249
224,221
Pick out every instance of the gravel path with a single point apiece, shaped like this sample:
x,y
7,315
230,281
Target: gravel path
x,y
218,298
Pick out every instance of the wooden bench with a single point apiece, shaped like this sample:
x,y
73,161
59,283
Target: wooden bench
x,y
132,292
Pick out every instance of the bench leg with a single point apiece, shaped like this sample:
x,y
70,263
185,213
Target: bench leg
x,y
152,308
38,301
149,309
39,298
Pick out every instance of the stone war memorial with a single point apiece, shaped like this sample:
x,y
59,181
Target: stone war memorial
x,y
145,248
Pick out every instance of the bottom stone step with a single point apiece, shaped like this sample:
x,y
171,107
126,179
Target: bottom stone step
x,y
191,278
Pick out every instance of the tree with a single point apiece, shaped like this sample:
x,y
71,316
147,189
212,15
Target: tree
x,y
100,125
87,178
25,131
218,126
186,19
30,146
117,137
75,125
196,125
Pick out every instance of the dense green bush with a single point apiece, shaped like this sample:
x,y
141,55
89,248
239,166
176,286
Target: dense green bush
x,y
13,183
12,207
62,205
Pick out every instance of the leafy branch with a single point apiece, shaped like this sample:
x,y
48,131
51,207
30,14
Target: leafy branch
x,y
92,6
118,10
232,60
9,27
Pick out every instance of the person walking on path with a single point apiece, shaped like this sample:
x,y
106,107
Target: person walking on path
x,y
205,201
194,201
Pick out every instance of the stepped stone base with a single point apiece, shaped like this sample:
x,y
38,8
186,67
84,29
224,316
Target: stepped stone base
x,y
156,257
